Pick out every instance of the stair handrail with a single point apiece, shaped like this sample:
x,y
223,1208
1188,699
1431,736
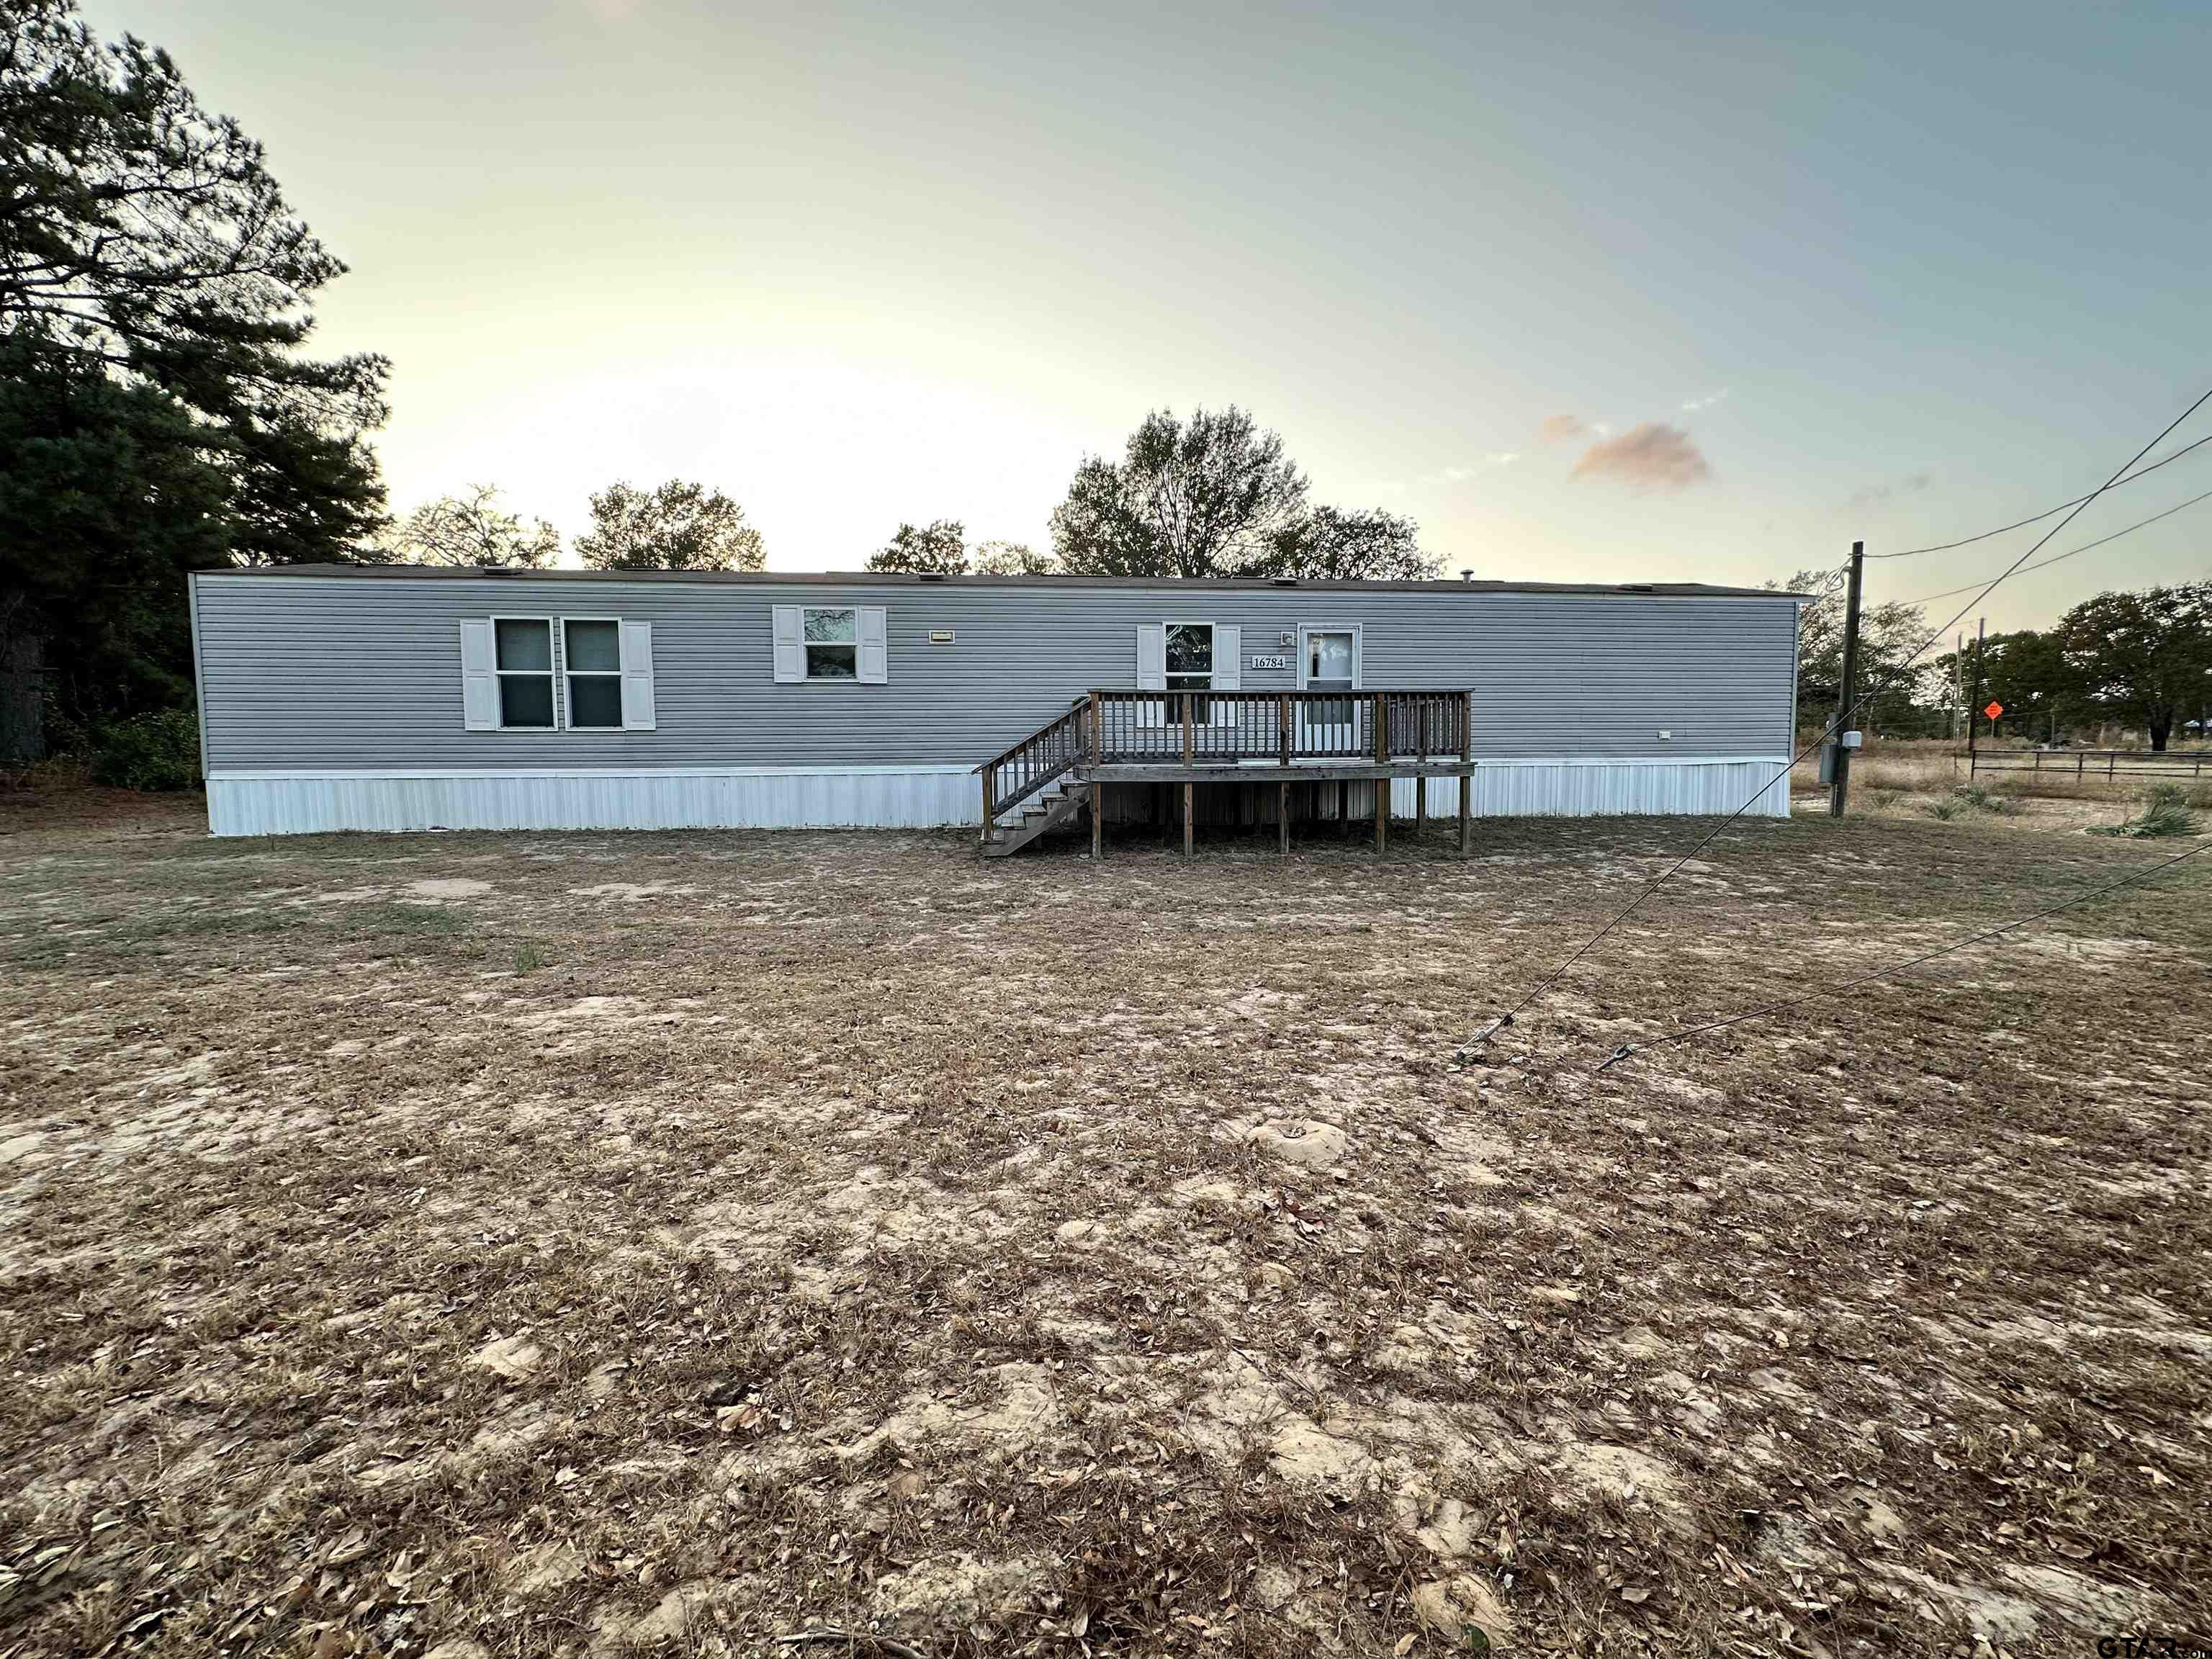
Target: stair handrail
x,y
1047,753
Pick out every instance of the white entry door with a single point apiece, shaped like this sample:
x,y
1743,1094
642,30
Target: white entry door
x,y
1328,660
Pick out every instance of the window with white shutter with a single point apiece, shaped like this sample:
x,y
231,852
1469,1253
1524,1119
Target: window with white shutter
x,y
838,643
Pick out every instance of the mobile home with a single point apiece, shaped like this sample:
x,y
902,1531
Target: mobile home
x,y
402,697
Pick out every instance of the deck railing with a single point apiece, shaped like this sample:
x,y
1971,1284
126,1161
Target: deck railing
x,y
1224,728
1203,728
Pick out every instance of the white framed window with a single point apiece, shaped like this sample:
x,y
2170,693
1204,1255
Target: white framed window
x,y
832,633
839,644
1189,656
522,665
592,663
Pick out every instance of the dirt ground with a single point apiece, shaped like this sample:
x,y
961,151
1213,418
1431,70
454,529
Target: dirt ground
x,y
545,1245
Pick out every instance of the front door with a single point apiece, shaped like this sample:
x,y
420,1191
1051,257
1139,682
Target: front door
x,y
1329,661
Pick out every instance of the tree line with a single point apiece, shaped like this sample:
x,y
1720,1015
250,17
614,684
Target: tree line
x,y
2141,661
1212,495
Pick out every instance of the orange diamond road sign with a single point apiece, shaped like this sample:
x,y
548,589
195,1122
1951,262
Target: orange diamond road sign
x,y
1993,710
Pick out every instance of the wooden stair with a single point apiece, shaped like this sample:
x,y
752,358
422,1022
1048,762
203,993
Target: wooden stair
x,y
1060,802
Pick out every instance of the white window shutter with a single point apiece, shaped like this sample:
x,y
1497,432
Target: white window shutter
x,y
1151,657
479,677
1228,659
637,710
875,655
790,645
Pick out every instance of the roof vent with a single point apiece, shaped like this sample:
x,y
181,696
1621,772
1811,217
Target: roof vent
x,y
1467,575
1637,587
1285,582
929,575
502,570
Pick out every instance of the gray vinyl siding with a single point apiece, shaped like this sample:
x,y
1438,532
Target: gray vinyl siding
x,y
332,673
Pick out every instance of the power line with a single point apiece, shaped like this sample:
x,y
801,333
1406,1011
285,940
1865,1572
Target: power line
x,y
2083,500
2140,876
2045,564
1841,722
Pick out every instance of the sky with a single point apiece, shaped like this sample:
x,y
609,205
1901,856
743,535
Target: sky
x,y
1594,293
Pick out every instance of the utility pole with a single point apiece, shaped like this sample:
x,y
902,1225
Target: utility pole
x,y
1981,625
1839,788
1958,688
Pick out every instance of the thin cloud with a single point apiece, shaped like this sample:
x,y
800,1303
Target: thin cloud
x,y
1561,430
1651,456
1706,401
1496,458
1875,494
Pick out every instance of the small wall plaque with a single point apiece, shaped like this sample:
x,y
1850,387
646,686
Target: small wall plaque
x,y
940,636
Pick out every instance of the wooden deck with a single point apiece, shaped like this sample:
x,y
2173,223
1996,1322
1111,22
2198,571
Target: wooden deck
x,y
1232,737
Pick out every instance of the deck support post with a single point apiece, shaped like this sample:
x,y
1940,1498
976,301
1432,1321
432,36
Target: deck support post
x,y
1381,784
1282,815
1097,821
1466,763
1189,789
986,805
1344,808
1421,778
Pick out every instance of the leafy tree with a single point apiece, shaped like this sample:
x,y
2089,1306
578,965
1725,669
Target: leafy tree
x,y
144,241
1889,634
105,501
473,529
1216,496
2145,657
141,232
1208,497
1330,544
2026,672
678,526
1013,559
941,546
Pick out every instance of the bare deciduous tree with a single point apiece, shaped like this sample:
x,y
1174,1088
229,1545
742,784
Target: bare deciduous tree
x,y
473,529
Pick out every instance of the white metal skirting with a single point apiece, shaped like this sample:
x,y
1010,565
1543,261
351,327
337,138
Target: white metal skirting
x,y
697,798
1608,788
906,797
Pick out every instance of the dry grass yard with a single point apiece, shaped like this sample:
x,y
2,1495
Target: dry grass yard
x,y
545,1244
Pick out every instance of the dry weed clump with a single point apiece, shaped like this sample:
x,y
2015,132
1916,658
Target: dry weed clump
x,y
599,1245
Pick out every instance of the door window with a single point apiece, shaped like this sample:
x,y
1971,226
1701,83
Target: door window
x,y
1328,668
